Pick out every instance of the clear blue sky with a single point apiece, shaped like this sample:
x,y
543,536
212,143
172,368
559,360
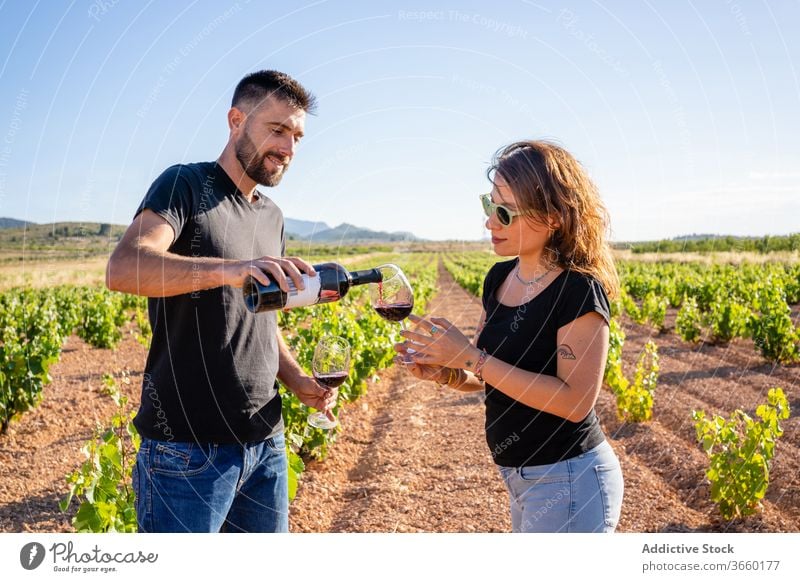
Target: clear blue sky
x,y
687,114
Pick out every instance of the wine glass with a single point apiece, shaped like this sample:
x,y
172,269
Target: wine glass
x,y
331,367
393,297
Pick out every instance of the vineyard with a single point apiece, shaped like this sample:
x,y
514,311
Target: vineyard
x,y
702,392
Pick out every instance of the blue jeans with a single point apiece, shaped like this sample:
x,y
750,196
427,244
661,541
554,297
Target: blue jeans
x,y
581,494
190,487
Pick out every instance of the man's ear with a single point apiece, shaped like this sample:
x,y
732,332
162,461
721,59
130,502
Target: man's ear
x,y
236,118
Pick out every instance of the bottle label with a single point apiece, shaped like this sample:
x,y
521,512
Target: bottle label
x,y
308,296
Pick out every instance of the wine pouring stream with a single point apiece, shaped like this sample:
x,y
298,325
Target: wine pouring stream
x,y
393,298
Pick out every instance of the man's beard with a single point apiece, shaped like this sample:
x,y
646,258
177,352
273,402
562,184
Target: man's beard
x,y
253,163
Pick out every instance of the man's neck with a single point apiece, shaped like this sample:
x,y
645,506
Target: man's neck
x,y
230,163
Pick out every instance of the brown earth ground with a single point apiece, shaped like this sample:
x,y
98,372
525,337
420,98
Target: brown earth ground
x,y
411,455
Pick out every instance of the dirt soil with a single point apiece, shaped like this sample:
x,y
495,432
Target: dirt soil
x,y
412,457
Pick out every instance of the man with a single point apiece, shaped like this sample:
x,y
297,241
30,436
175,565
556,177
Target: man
x,y
213,456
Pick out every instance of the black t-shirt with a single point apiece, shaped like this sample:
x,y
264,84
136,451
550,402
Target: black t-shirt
x,y
525,336
211,370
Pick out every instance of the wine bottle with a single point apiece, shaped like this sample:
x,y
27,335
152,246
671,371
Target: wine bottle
x,y
331,283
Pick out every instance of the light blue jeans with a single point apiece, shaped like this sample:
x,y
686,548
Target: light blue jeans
x,y
190,487
581,494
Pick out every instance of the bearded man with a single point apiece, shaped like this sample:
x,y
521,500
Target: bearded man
x,y
213,456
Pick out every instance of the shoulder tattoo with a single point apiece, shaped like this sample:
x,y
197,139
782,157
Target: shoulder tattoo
x,y
565,352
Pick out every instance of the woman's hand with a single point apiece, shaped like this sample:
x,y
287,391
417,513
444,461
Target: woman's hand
x,y
442,344
438,374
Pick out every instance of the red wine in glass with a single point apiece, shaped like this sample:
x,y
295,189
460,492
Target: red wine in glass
x,y
331,367
331,380
393,298
394,311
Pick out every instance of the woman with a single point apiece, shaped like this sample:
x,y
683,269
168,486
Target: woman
x,y
541,344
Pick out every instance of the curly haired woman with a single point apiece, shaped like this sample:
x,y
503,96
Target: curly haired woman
x,y
541,344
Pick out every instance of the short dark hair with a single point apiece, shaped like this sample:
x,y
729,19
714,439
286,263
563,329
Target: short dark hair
x,y
256,87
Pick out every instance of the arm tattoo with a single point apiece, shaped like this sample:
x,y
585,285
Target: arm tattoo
x,y
565,352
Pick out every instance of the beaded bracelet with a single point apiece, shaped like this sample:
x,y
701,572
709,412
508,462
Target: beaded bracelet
x,y
479,366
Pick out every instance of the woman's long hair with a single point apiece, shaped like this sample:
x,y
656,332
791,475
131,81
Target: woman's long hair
x,y
547,181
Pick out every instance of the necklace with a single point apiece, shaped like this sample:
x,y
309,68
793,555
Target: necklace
x,y
532,281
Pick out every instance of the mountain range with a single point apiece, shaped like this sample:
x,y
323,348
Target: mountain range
x,y
321,232
295,230
12,223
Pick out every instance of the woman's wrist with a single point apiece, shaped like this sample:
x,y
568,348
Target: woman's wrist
x,y
448,376
460,380
445,374
471,358
478,370
452,377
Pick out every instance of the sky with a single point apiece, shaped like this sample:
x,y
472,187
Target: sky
x,y
685,113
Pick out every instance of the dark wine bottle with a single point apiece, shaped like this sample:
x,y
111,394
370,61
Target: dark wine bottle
x,y
331,283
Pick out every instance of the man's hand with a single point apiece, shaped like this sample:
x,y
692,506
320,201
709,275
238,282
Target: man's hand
x,y
277,267
310,393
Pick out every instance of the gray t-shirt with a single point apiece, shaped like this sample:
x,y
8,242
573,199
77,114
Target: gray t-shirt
x,y
211,369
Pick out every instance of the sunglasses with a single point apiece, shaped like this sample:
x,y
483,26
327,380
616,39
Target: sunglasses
x,y
504,214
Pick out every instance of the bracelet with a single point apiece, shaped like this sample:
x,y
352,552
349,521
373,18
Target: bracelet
x,y
454,375
450,378
461,379
479,366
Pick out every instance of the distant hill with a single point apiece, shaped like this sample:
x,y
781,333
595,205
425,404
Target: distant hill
x,y
48,233
12,223
95,237
60,240
303,228
350,233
